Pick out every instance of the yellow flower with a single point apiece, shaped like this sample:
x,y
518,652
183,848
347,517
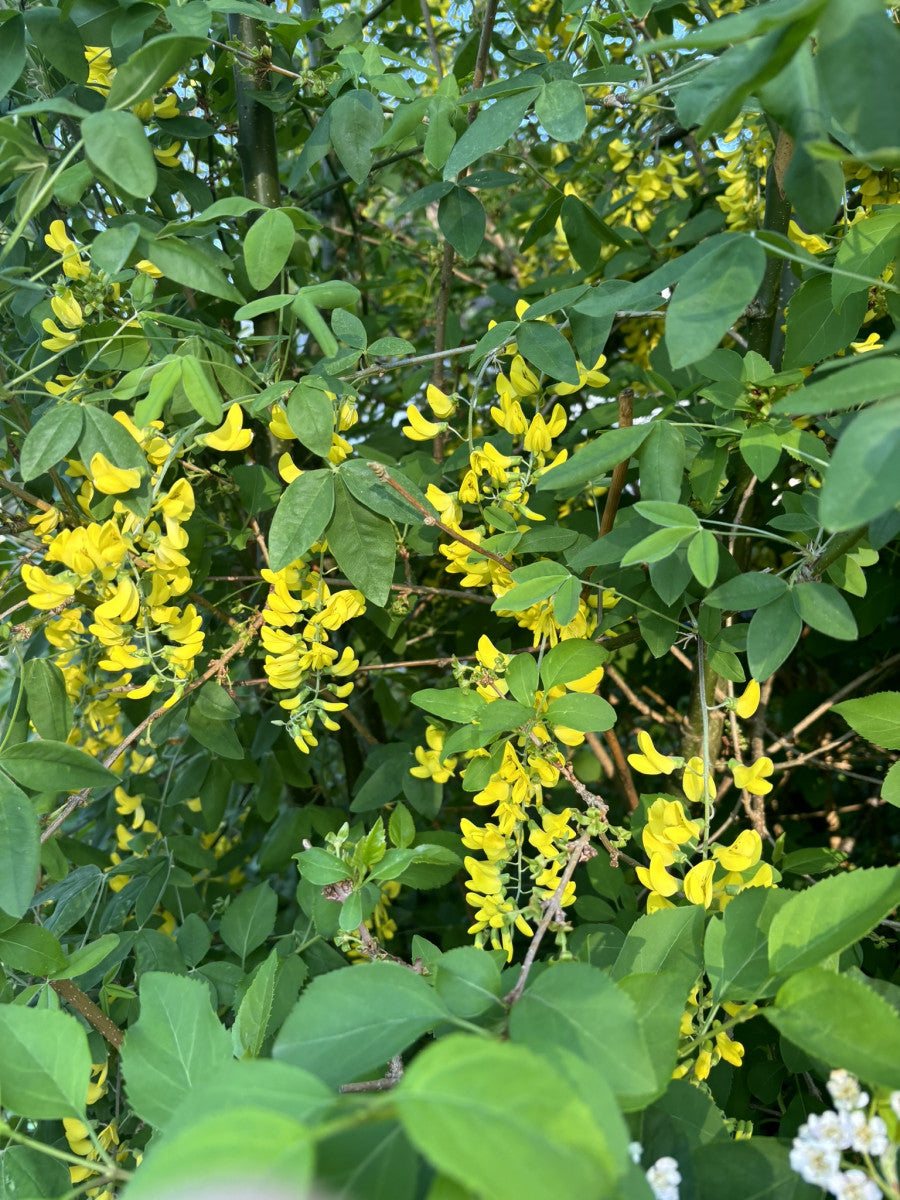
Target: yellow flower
x,y
146,267
523,379
650,762
594,377
57,239
67,309
101,72
439,403
110,479
168,157
692,781
657,879
484,877
872,342
541,433
420,429
430,765
59,339
698,887
231,434
743,853
47,591
753,777
748,702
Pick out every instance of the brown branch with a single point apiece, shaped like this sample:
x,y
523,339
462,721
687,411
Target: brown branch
x,y
617,483
622,769
390,1079
600,754
72,995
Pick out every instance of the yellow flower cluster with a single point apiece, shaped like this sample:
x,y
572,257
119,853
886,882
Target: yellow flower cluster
x,y
716,1045
745,155
648,184
300,661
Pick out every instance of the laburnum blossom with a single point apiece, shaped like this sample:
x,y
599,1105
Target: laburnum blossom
x,y
747,703
743,853
110,479
692,781
440,404
650,761
429,761
420,429
753,778
231,434
72,263
667,829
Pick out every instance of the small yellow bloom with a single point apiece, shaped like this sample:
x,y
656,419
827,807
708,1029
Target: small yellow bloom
x,y
67,310
753,777
57,239
657,879
439,403
146,267
523,379
698,887
692,781
743,853
59,339
110,479
168,157
420,429
231,434
650,762
747,703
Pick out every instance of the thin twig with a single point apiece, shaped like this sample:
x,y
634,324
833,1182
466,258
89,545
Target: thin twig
x,y
388,1081
617,483
622,770
72,995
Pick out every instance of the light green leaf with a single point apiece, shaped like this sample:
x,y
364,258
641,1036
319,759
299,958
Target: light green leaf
x,y
760,449
301,517
188,262
661,459
867,247
31,949
45,1067
20,849
830,916
752,590
814,330
175,1043
774,632
658,545
876,718
585,713
560,109
117,146
863,481
863,381
363,544
462,1086
595,459
668,515
736,947
703,557
571,660
842,1022
468,981
249,919
711,295
48,766
252,1020
268,244
200,389
823,607
310,414
356,127
12,49
50,439
450,704
352,1021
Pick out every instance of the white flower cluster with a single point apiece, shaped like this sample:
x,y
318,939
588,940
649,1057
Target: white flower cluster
x,y
821,1141
663,1177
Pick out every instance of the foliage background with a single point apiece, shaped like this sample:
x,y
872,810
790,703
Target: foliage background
x,y
606,295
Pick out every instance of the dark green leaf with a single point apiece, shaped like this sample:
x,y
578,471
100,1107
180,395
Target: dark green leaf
x,y
868,246
50,439
585,713
20,849
249,919
863,481
115,143
12,49
363,544
301,517
310,414
462,221
491,129
450,704
571,660
814,329
703,557
658,545
560,109
58,40
724,1168
545,348
187,262
268,243
31,949
863,381
760,449
824,608
595,459
151,66
752,590
356,127
774,632
48,766
200,389
736,947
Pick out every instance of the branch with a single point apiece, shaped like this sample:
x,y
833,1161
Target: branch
x,y
617,483
72,995
761,326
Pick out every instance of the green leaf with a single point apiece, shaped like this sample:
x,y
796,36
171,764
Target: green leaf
x,y
264,304
189,263
111,248
560,109
462,221
571,660
349,329
744,592
583,712
215,735
814,330
711,295
523,595
867,247
491,129
668,940
862,481
85,958
246,1149
151,66
20,849
320,867
736,947
260,1083
116,145
759,1167
357,124
268,244
890,791
176,1042
45,1067
249,919
252,1019
658,545
48,704
104,435
556,1009
301,517
703,557
31,949
26,1171
545,348
462,1086
842,1022
12,49
353,1021
450,704
661,513
823,607
214,702
48,766
858,44
830,916
363,544
661,459
50,439
566,600
774,632
760,449
737,27
371,489
200,389
876,718
310,414
594,459
468,981
865,380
